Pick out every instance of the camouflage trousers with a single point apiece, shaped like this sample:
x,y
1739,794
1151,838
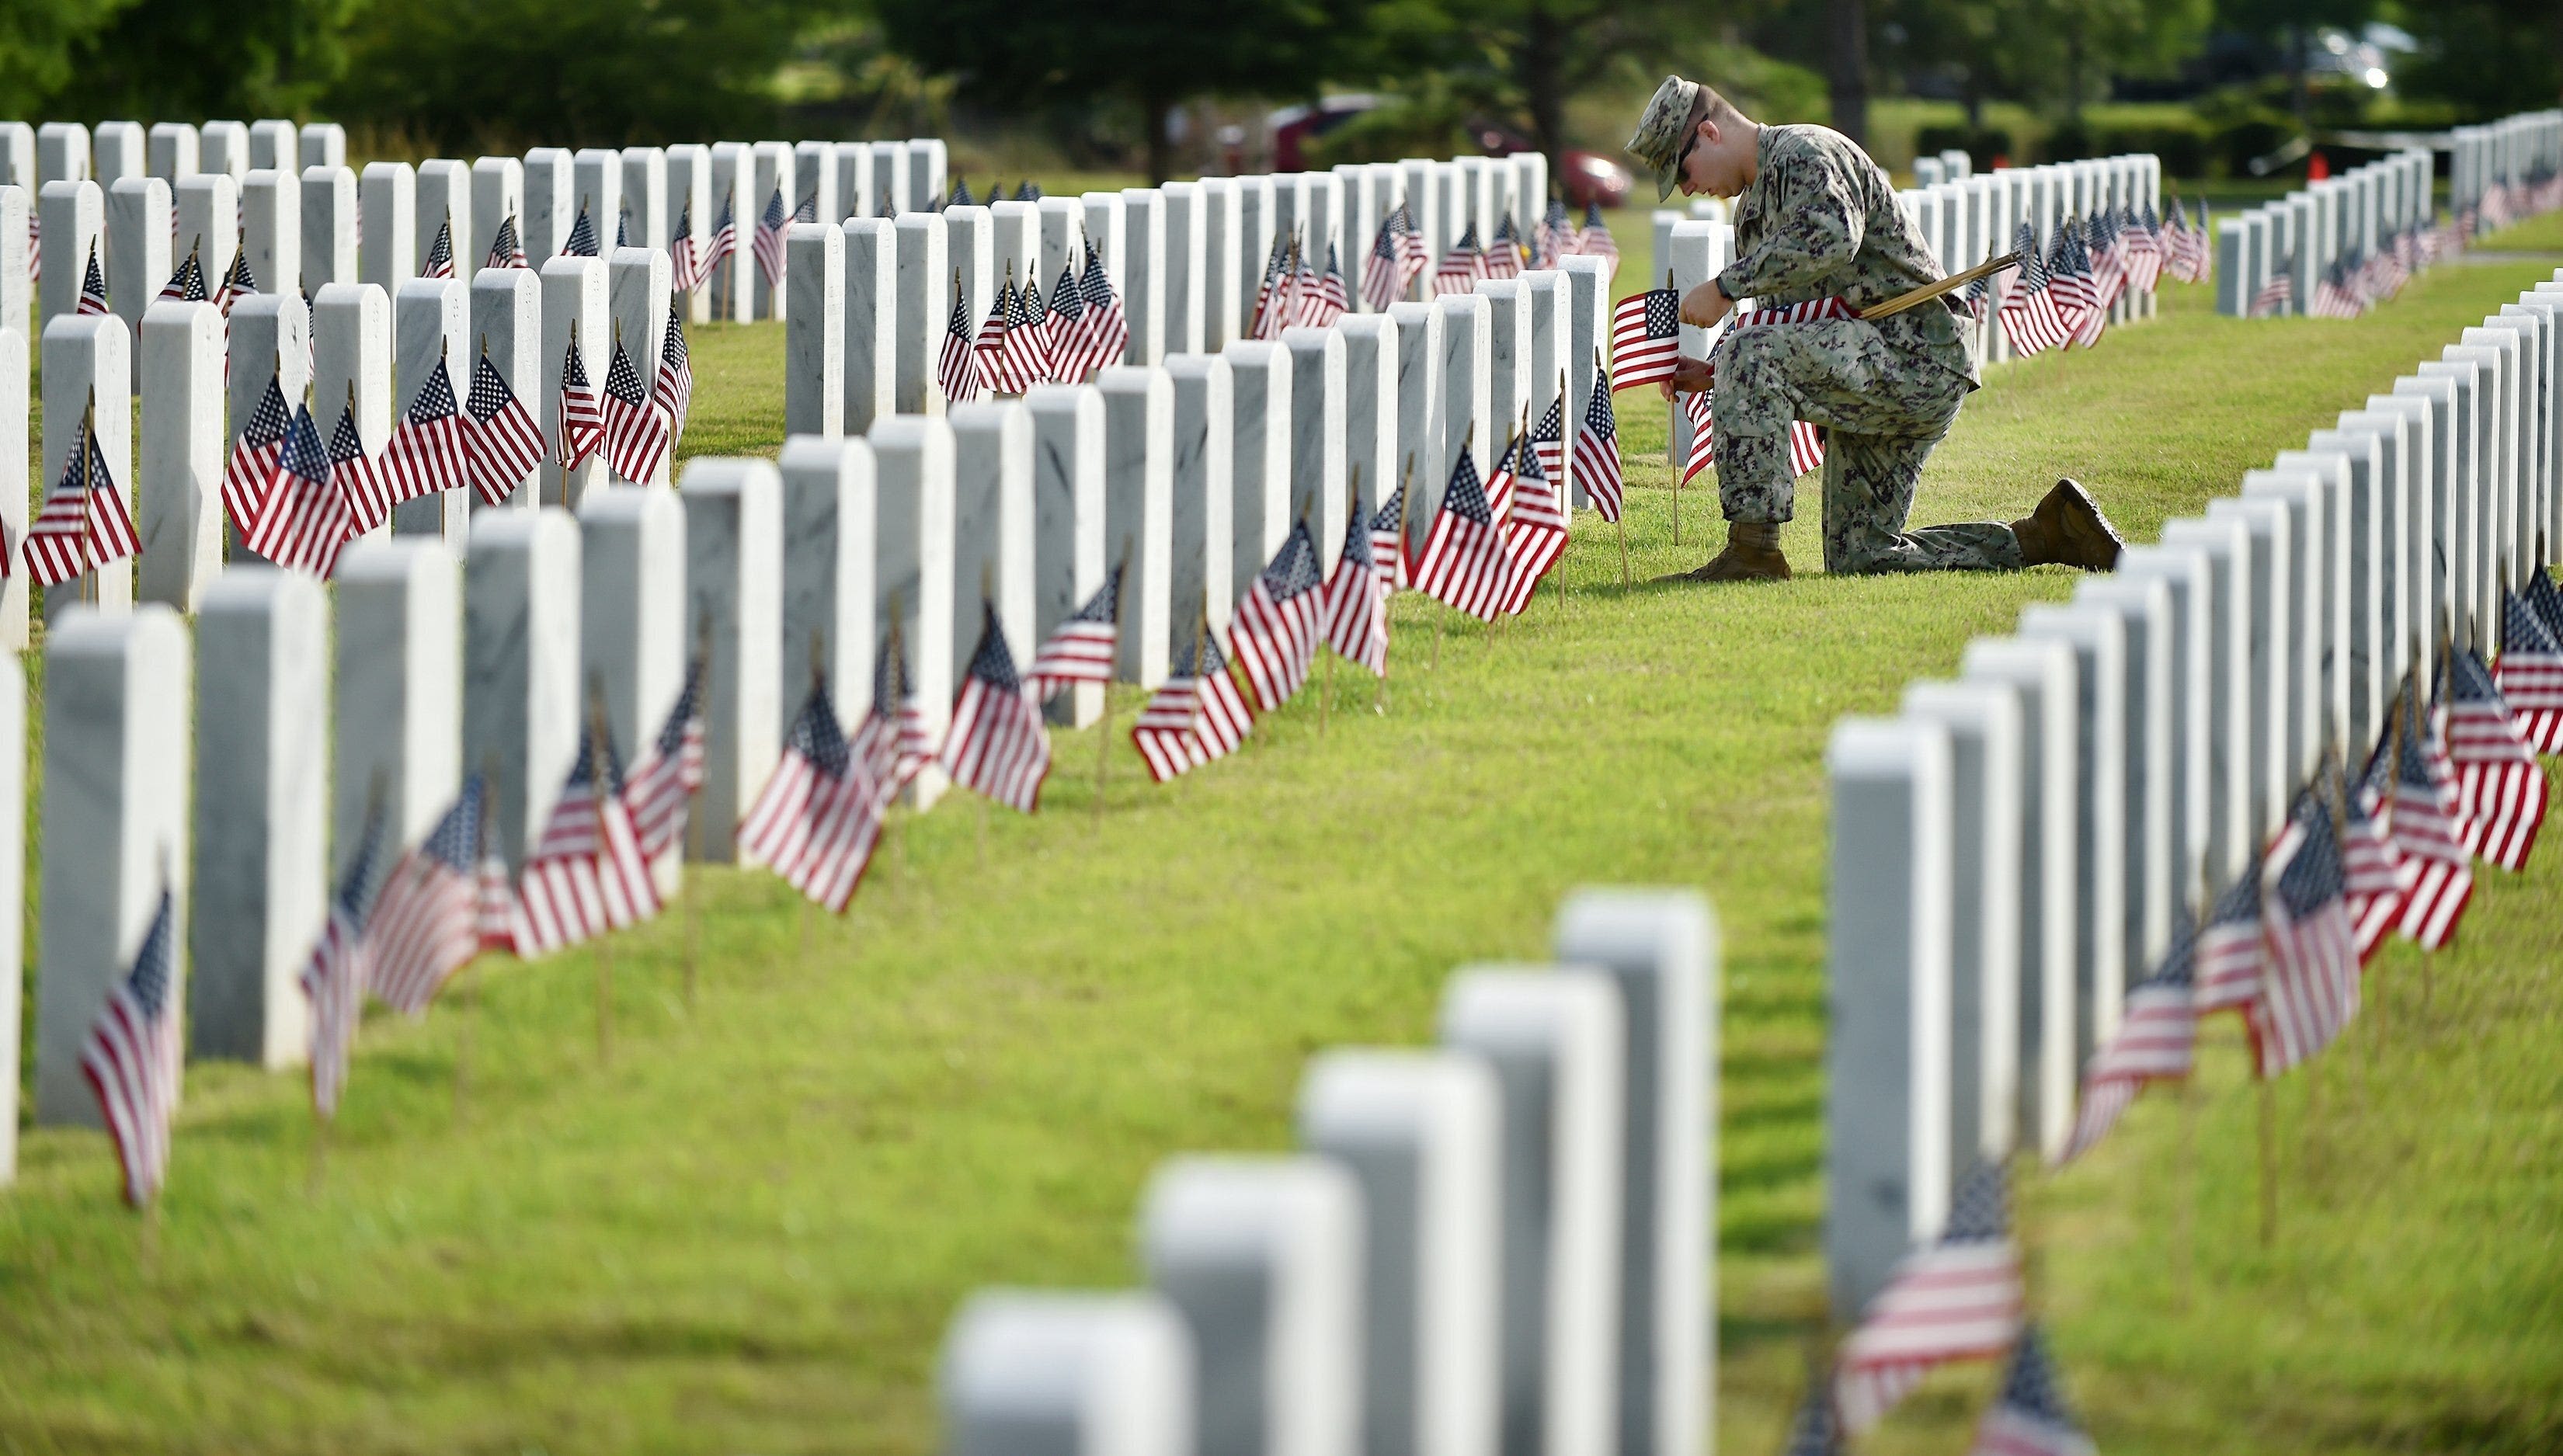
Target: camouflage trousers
x,y
1883,410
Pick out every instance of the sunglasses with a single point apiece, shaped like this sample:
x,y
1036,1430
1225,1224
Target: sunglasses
x,y
1684,156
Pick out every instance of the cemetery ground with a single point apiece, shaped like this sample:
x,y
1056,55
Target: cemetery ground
x,y
747,1231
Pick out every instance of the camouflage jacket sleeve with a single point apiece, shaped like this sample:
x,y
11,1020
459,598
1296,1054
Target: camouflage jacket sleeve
x,y
1812,226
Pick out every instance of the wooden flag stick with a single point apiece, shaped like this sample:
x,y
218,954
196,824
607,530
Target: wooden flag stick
x,y
1928,291
1104,729
471,1016
605,942
2268,1163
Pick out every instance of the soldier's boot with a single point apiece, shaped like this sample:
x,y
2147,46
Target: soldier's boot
x,y
1752,554
2068,529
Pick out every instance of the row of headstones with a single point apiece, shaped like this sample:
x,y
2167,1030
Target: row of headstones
x,y
199,377
2016,847
2502,153
289,198
2353,215
1503,1244
236,763
1369,394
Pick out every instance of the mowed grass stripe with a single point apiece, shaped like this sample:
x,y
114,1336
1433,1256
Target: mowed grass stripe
x,y
748,1232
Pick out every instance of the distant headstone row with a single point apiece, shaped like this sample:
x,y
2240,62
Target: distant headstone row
x,y
2027,842
2322,249
1502,1244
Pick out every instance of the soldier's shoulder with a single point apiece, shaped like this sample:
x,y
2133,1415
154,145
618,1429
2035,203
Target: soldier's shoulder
x,y
1809,146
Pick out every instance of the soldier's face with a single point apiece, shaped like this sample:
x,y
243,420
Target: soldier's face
x,y
1711,163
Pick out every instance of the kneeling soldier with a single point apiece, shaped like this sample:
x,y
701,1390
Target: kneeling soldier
x,y
1815,218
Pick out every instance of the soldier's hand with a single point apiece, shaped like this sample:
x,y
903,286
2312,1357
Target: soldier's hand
x,y
1691,376
1705,305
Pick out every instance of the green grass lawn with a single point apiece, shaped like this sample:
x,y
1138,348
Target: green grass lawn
x,y
747,1231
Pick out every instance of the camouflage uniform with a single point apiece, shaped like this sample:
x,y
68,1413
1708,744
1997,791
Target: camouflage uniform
x,y
1821,219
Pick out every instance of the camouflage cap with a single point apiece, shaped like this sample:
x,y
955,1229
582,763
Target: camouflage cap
x,y
1659,138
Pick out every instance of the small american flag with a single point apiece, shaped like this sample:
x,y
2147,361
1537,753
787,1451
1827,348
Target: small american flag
x,y
2144,248
35,249
1080,649
1597,451
892,740
1534,529
187,285
2278,295
1331,301
1269,315
1380,280
1958,1299
1548,441
1066,328
2227,961
2529,673
1811,310
304,518
2030,1416
623,227
2424,814
807,210
820,815
768,243
991,359
582,419
1557,235
1388,541
93,293
2309,988
1704,435
1275,634
427,453
1503,255
501,443
85,523
1356,600
1500,482
427,922
2082,293
250,471
367,493
961,194
2028,312
722,245
132,1059
2500,787
2156,1038
1027,342
440,253
1108,328
664,781
1646,338
239,280
1412,257
1197,717
1306,307
335,977
1462,266
957,371
2100,244
673,386
684,262
1462,564
2377,875
636,432
2333,296
587,874
1598,241
506,246
997,744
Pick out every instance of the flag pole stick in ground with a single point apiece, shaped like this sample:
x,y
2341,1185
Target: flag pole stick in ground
x,y
693,853
605,942
470,1015
1104,729
2268,1164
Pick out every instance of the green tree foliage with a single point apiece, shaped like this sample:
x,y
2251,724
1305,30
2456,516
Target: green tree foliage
x,y
567,72
2489,58
1150,55
38,41
181,60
